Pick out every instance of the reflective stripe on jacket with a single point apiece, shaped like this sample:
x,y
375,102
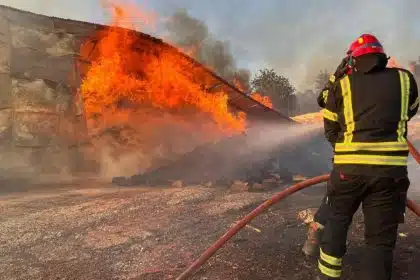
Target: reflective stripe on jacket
x,y
366,115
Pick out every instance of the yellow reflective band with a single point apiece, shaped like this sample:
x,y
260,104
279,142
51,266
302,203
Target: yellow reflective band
x,y
325,95
334,273
348,109
371,159
332,78
329,115
371,146
330,259
415,104
405,93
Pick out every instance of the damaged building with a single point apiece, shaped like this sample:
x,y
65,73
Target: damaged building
x,y
44,128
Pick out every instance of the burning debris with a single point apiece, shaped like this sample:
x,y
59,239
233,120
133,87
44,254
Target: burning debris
x,y
262,99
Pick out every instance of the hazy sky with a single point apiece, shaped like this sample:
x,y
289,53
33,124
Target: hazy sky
x,y
295,37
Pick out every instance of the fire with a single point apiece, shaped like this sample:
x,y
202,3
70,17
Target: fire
x,y
238,85
122,80
392,63
265,100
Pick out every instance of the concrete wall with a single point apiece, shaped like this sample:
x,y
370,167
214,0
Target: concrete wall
x,y
40,112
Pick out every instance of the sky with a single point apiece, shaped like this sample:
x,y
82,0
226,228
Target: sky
x,y
297,38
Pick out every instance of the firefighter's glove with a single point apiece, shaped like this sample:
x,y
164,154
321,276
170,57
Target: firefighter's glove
x,y
322,97
341,69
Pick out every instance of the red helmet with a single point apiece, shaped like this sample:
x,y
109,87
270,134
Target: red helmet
x,y
365,44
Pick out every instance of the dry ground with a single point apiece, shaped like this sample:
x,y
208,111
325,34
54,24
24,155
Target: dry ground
x,y
97,231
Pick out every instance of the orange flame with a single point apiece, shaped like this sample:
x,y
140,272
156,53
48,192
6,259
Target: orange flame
x,y
122,80
392,63
265,100
238,85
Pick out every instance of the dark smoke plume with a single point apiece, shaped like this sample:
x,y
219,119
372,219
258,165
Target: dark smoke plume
x,y
193,36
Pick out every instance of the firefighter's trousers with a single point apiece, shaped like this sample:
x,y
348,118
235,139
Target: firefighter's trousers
x,y
321,214
383,202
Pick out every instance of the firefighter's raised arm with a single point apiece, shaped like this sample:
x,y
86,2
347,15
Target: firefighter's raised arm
x,y
338,74
322,97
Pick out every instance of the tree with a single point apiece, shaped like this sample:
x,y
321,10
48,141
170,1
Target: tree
x,y
277,87
321,80
307,101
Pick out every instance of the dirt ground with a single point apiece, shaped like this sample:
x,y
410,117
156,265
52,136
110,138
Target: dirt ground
x,y
91,230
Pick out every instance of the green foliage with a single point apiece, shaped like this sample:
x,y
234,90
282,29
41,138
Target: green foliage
x,y
321,80
277,87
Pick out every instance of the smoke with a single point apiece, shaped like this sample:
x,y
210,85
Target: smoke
x,y
269,136
250,157
298,38
301,38
193,36
151,140
293,147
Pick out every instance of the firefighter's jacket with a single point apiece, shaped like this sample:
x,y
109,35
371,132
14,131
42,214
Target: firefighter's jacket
x,y
366,115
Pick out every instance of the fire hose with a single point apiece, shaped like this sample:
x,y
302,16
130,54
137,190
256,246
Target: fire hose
x,y
414,207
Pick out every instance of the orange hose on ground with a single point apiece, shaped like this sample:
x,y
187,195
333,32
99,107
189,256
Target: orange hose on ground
x,y
416,155
414,152
413,207
239,225
267,204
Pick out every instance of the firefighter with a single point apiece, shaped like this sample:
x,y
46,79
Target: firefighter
x,y
365,119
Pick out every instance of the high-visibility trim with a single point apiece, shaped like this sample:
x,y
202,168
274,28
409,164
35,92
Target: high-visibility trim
x,y
348,109
333,273
330,115
332,78
405,93
415,104
330,259
370,159
371,146
325,96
